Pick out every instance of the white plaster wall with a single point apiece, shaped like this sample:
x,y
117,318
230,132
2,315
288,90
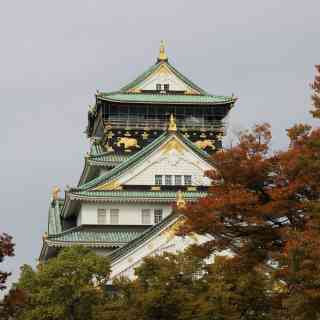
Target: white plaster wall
x,y
157,245
129,214
168,163
164,78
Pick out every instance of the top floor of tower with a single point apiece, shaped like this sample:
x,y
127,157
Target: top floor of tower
x,y
147,103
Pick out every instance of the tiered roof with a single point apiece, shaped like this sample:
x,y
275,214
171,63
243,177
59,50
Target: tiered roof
x,y
158,98
132,92
61,226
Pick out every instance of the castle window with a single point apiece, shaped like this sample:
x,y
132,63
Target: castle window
x,y
166,87
146,216
178,180
168,180
158,180
114,216
102,216
158,87
187,180
158,215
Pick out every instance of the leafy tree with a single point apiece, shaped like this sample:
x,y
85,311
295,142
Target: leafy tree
x,y
164,289
69,286
6,250
183,287
265,208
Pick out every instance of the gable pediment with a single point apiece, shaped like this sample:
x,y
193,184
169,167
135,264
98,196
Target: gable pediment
x,y
164,240
163,75
173,157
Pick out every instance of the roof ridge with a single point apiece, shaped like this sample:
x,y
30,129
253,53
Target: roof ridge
x,y
184,78
138,79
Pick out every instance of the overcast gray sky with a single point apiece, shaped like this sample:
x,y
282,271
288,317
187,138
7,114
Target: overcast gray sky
x,y
55,54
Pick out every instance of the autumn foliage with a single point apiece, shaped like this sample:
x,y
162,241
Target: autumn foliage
x,y
265,207
263,215
6,250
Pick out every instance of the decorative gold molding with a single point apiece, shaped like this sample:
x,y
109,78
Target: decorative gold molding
x,y
192,188
109,186
134,90
173,144
171,232
155,188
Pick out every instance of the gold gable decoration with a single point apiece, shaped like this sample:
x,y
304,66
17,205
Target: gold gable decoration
x,y
109,186
173,144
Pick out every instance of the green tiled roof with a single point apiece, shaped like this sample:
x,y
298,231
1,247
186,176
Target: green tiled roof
x,y
111,159
54,220
165,98
149,71
94,238
98,156
131,196
96,149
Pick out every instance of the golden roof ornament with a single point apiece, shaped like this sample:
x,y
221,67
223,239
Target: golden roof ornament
x,y
181,202
172,123
162,52
55,193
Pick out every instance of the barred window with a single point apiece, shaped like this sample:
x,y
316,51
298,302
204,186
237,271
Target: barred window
x,y
114,216
146,216
158,87
178,180
187,180
166,87
158,215
102,216
158,180
168,180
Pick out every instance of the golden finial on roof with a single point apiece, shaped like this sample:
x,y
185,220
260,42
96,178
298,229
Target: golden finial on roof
x,y
181,202
172,123
162,52
55,193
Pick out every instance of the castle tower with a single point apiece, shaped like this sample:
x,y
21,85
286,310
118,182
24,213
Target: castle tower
x,y
151,143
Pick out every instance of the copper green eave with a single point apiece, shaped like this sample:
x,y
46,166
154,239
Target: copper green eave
x,y
93,238
99,158
145,98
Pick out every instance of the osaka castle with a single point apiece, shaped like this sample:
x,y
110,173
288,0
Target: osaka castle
x,y
150,145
